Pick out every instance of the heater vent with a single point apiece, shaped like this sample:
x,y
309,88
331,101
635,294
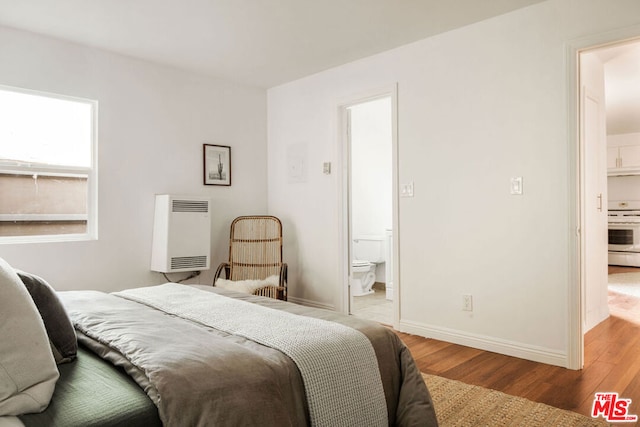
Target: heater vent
x,y
190,206
189,262
181,234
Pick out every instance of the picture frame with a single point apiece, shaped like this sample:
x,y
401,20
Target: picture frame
x,y
217,164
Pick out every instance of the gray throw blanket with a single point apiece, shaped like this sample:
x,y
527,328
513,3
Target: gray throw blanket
x,y
341,390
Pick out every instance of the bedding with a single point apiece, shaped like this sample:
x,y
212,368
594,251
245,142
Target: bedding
x,y
28,371
321,350
92,392
62,335
199,373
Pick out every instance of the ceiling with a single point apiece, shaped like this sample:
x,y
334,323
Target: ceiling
x,y
261,43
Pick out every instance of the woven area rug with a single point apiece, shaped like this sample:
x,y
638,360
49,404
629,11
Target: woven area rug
x,y
460,404
625,283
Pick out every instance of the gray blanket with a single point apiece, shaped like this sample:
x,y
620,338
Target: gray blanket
x,y
198,375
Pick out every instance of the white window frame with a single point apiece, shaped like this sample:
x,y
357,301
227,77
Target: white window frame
x,y
91,172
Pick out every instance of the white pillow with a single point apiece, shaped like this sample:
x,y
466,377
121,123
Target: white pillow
x,y
28,371
248,286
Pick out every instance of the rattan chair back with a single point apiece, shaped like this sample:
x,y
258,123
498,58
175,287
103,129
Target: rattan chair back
x,y
255,247
255,253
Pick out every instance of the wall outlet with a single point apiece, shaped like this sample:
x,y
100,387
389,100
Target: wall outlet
x,y
467,303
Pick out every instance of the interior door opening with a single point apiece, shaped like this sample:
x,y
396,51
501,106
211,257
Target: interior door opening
x,y
370,213
609,115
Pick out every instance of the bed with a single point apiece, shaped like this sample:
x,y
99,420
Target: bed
x,y
180,355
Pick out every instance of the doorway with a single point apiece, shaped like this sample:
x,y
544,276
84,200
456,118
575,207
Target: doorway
x,y
622,93
609,122
369,147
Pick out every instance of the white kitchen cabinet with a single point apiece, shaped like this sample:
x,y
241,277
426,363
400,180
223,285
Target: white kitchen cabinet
x,y
624,159
612,158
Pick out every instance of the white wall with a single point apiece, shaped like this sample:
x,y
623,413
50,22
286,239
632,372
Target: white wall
x,y
153,121
622,80
476,106
624,187
623,139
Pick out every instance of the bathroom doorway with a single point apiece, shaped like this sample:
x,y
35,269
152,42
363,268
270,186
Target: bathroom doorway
x,y
370,152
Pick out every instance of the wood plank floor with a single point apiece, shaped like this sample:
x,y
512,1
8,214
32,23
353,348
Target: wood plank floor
x,y
612,364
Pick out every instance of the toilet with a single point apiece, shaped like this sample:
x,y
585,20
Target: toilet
x,y
363,277
368,251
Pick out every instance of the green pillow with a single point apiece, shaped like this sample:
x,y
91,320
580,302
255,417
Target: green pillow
x,y
62,336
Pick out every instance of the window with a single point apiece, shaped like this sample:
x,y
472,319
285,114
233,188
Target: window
x,y
47,167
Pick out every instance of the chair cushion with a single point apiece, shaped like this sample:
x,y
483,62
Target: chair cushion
x,y
62,335
247,286
28,371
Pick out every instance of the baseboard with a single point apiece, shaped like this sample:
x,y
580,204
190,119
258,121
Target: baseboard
x,y
509,348
310,303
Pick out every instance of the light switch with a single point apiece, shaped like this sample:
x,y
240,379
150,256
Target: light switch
x,y
516,185
326,168
406,190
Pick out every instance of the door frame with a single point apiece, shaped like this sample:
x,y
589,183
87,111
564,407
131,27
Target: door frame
x,y
344,182
577,284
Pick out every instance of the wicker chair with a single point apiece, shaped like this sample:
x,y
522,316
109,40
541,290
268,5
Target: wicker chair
x,y
255,253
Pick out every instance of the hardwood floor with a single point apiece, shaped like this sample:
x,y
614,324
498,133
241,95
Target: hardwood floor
x,y
612,364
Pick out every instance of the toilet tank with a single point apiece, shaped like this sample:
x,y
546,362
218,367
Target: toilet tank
x,y
369,248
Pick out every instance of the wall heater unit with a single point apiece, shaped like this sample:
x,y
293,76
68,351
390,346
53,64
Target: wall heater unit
x,y
181,234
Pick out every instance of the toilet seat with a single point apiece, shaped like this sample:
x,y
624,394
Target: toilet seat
x,y
359,266
360,263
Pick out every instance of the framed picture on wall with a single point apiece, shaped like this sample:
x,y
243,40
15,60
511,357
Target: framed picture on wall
x,y
217,164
